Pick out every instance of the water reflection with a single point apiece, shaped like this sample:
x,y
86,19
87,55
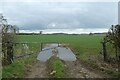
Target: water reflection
x,y
63,53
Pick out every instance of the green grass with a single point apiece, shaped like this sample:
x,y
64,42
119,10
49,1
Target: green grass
x,y
55,64
59,68
32,48
84,46
16,69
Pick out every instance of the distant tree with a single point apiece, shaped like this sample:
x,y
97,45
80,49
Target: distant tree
x,y
40,32
90,33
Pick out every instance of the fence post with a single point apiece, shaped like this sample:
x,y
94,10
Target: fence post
x,y
41,46
104,50
9,52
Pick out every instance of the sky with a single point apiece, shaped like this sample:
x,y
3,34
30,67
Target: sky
x,y
57,16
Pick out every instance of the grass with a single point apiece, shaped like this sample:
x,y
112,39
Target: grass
x,y
84,46
20,49
16,69
55,64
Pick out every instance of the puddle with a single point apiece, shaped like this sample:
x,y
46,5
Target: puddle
x,y
50,46
44,55
63,53
66,54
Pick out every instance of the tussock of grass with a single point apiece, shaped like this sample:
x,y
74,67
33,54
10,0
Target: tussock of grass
x,y
55,64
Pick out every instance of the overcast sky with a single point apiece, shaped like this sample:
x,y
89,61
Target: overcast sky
x,y
51,15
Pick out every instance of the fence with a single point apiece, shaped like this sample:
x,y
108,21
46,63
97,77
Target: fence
x,y
110,53
22,49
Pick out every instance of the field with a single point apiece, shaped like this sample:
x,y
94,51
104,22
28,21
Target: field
x,y
82,44
86,47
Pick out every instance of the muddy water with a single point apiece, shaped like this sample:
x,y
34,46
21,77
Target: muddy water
x,y
46,52
50,46
44,55
63,53
66,54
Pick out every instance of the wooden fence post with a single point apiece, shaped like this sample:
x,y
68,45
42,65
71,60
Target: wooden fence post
x,y
9,52
104,50
41,46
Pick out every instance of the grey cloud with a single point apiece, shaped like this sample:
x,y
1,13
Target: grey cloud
x,y
63,15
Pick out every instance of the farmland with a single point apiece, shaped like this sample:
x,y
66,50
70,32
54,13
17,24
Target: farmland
x,y
86,47
81,44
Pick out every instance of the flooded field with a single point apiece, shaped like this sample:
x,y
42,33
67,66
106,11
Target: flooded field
x,y
54,50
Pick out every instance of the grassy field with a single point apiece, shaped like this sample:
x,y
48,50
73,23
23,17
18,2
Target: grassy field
x,y
86,47
83,45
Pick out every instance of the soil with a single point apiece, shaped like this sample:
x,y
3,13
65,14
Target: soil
x,y
75,70
38,70
78,70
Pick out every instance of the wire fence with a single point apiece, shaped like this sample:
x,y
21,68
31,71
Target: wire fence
x,y
110,53
26,48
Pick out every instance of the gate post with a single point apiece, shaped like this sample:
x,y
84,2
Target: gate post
x,y
9,52
104,50
41,46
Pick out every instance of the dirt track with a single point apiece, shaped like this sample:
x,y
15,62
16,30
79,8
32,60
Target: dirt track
x,y
38,70
75,70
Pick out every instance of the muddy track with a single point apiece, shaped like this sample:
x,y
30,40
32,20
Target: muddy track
x,y
38,70
77,70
